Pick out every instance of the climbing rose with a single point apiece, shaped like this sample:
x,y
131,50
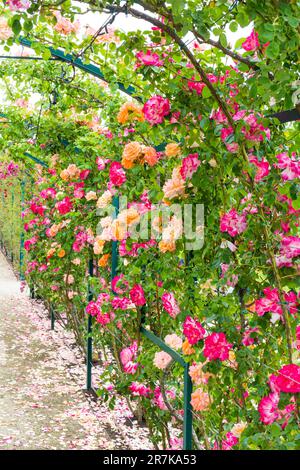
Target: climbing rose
x,y
148,58
289,249
248,340
196,86
251,43
5,30
92,309
291,166
271,303
216,347
288,379
37,209
170,304
104,318
193,330
127,355
117,175
18,5
230,441
121,303
263,168
137,295
233,223
139,390
200,400
174,341
161,359
268,408
64,206
158,399
28,243
189,165
156,108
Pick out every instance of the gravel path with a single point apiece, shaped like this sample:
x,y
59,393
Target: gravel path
x,y
42,405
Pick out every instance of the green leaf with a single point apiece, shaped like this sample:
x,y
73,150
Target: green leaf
x,y
223,40
16,26
273,50
206,92
46,54
233,26
242,19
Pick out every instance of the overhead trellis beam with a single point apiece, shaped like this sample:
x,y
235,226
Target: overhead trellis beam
x,y
35,159
21,57
89,68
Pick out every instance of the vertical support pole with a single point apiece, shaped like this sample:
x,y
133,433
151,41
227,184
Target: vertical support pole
x,y
12,226
52,316
188,417
89,352
32,293
114,249
22,232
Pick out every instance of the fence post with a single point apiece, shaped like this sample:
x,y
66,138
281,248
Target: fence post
x,y
89,352
12,226
114,249
22,237
187,407
52,316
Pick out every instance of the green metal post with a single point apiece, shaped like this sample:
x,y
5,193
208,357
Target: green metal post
x,y
12,226
187,407
89,353
52,316
22,233
187,419
114,249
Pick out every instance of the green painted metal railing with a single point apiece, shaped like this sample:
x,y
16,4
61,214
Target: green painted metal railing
x,y
76,62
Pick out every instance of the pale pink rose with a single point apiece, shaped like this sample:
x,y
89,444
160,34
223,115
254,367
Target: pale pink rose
x,y
174,341
162,359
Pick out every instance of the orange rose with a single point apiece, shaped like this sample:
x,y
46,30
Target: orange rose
x,y
167,245
131,153
187,348
175,186
50,253
172,150
61,253
130,112
200,400
64,175
103,260
127,164
98,245
129,216
118,230
150,155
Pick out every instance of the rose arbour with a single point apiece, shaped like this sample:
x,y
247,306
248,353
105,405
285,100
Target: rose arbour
x,y
196,131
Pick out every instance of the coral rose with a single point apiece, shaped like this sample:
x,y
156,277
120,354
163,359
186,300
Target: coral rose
x,y
131,153
172,150
167,245
98,246
150,155
130,112
200,400
187,348
61,253
103,260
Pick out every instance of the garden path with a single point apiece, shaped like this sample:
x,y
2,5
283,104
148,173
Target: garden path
x,y
42,405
